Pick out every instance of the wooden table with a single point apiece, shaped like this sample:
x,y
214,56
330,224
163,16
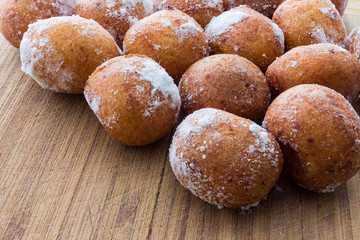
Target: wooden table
x,y
63,177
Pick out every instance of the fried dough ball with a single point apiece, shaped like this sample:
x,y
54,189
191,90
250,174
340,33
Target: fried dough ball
x,y
306,22
171,38
228,82
247,33
352,42
325,64
115,16
17,15
319,135
265,7
60,53
134,98
201,10
224,159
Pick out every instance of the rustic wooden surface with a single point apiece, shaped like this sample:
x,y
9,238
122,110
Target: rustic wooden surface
x,y
62,177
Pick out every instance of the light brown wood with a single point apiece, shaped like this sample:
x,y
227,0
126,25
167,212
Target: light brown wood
x,y
63,177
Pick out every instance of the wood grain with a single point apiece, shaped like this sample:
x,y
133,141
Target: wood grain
x,y
63,177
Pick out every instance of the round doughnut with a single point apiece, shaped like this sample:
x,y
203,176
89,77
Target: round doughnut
x,y
306,22
323,63
265,7
224,159
170,37
352,42
227,82
115,16
60,53
247,33
134,98
201,10
15,16
319,134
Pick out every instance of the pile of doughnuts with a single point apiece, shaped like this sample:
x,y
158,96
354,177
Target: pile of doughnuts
x,y
266,86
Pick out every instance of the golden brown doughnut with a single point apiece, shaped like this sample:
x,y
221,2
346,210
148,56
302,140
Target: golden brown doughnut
x,y
16,15
306,22
115,16
224,159
201,10
319,135
227,82
352,42
170,37
324,63
60,53
247,33
134,98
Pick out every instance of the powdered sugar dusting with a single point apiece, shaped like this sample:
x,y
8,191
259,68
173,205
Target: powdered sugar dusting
x,y
65,7
188,28
279,35
330,12
224,22
293,63
319,34
161,81
94,102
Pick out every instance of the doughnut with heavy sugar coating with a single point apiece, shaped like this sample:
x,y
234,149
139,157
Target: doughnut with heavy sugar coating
x,y
60,53
224,159
134,98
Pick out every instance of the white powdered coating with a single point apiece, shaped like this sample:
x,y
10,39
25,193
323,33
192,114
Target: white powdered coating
x,y
340,49
65,7
263,143
293,63
161,81
94,102
204,117
279,35
213,3
330,12
128,6
188,28
319,34
224,22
